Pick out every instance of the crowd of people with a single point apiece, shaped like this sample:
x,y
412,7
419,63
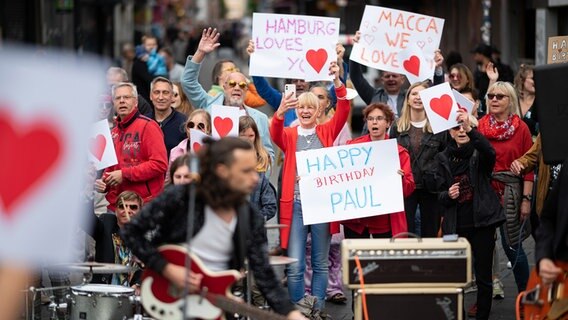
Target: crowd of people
x,y
474,180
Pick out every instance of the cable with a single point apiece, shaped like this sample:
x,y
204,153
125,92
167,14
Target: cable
x,y
362,281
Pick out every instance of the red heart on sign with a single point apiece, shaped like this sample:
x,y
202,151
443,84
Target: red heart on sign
x,y
196,146
412,65
98,145
442,106
462,107
317,59
29,153
223,125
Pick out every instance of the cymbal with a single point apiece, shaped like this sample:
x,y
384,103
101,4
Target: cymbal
x,y
93,267
275,225
281,260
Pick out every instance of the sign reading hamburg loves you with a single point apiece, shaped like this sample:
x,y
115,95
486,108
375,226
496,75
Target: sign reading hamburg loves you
x,y
293,46
351,181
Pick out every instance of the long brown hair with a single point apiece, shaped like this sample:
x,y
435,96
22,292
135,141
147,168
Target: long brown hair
x,y
185,106
246,122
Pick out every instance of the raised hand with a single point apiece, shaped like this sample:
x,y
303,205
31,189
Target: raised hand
x,y
492,72
209,40
357,36
288,102
250,47
438,58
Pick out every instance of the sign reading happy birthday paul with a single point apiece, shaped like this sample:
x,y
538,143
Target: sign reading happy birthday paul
x,y
293,46
386,32
351,181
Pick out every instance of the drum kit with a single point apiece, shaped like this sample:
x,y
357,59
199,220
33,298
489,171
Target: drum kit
x,y
106,301
92,301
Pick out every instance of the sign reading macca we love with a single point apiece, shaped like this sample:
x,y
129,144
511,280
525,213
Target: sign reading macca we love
x,y
284,45
386,32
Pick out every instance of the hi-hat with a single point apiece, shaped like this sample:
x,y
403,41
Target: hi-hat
x,y
93,267
275,225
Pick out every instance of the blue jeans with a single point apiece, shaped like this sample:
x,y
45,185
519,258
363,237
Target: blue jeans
x,y
297,250
521,266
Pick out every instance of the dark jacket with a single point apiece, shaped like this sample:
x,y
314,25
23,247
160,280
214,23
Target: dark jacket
x,y
103,227
552,234
430,146
173,128
164,221
487,209
263,197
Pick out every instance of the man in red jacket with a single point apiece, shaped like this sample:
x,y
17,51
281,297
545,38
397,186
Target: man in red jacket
x,y
139,145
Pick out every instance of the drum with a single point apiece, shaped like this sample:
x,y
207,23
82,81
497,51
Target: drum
x,y
100,302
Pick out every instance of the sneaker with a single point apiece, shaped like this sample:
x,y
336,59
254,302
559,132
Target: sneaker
x,y
498,291
471,288
472,312
509,265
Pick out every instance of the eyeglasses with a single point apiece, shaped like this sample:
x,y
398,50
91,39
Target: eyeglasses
x,y
233,83
200,125
455,76
499,96
456,128
118,98
134,207
377,118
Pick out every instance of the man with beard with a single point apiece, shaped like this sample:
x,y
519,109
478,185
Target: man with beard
x,y
226,228
234,88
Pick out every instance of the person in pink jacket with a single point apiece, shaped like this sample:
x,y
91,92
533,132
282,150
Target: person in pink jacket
x,y
379,117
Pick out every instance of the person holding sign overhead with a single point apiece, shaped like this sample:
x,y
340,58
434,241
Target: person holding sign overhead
x,y
461,177
414,133
308,135
235,87
379,118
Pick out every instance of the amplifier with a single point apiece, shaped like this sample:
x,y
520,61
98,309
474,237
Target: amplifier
x,y
411,304
426,262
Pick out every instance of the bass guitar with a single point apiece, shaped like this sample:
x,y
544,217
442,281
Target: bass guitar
x,y
163,300
546,301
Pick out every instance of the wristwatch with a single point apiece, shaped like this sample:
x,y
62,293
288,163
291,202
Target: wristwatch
x,y
527,197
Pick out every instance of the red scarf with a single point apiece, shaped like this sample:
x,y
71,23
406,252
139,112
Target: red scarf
x,y
496,130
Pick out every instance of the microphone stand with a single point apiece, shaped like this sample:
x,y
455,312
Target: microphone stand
x,y
193,165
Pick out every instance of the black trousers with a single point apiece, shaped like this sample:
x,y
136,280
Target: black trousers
x,y
482,241
430,213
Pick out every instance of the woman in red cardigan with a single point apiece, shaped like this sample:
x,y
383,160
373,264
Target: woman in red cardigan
x,y
308,135
511,138
379,117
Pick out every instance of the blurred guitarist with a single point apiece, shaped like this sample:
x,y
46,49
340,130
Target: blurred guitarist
x,y
226,228
552,235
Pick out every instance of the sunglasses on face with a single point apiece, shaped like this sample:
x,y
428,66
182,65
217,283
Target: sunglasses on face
x,y
233,83
176,94
456,128
499,96
455,76
133,207
200,125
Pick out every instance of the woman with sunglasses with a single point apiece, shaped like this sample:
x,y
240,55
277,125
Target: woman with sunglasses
x,y
414,133
461,177
181,103
511,138
309,135
200,120
461,78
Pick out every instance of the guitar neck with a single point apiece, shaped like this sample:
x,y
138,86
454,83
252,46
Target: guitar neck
x,y
243,309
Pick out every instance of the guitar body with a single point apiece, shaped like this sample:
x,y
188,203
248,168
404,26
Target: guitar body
x,y
538,299
163,301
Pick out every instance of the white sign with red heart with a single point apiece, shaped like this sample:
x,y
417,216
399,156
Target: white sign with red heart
x,y
101,148
463,102
43,140
285,47
196,139
385,32
414,65
440,106
225,121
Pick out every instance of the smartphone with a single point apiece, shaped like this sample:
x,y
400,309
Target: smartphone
x,y
289,88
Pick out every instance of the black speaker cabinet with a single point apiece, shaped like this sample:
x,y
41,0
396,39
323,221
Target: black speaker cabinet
x,y
411,303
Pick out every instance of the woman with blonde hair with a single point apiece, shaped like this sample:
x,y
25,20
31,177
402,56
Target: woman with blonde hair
x,y
200,120
511,138
181,103
414,132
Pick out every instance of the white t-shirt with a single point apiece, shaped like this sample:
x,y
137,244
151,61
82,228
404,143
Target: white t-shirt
x,y
213,244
